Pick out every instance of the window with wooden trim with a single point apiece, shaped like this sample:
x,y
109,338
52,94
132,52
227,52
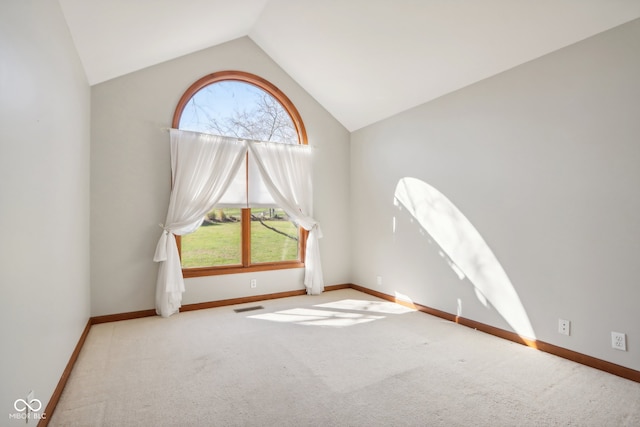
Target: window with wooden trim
x,y
238,235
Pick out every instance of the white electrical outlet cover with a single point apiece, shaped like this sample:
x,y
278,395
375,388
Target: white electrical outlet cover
x,y
619,341
564,326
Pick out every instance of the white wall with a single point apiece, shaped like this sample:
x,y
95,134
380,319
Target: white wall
x,y
544,160
44,200
130,180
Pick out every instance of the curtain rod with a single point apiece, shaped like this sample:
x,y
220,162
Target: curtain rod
x,y
166,129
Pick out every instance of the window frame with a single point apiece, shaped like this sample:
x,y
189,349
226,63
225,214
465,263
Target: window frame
x,y
244,77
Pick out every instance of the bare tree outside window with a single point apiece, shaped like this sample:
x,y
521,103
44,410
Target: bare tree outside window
x,y
240,110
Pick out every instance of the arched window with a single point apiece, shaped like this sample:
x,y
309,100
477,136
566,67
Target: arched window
x,y
238,235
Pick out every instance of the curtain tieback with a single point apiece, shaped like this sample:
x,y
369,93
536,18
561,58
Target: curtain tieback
x,y
161,248
316,227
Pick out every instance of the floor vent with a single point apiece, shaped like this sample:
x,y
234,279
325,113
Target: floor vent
x,y
242,310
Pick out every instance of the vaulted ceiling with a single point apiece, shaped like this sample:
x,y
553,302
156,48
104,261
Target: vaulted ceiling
x,y
363,60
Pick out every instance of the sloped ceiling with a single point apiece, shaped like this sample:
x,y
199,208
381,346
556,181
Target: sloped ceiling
x,y
363,60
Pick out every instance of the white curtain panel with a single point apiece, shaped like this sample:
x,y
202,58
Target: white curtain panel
x,y
202,168
286,172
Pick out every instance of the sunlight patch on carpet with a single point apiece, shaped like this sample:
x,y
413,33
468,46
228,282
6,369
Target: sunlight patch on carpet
x,y
314,317
369,306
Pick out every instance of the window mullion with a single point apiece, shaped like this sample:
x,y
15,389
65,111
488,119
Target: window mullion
x,y
246,237
246,218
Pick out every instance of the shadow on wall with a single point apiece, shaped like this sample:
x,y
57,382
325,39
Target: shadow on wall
x,y
468,254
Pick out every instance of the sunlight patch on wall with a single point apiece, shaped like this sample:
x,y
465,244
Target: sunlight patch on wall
x,y
465,250
405,300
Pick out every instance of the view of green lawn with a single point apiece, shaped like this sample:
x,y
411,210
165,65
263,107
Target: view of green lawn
x,y
219,243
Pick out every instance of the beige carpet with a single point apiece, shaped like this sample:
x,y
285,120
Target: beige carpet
x,y
343,358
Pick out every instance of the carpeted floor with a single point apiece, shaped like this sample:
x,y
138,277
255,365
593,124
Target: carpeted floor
x,y
343,358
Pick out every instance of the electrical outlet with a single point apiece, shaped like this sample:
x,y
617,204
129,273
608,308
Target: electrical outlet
x,y
564,327
379,280
619,341
254,283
